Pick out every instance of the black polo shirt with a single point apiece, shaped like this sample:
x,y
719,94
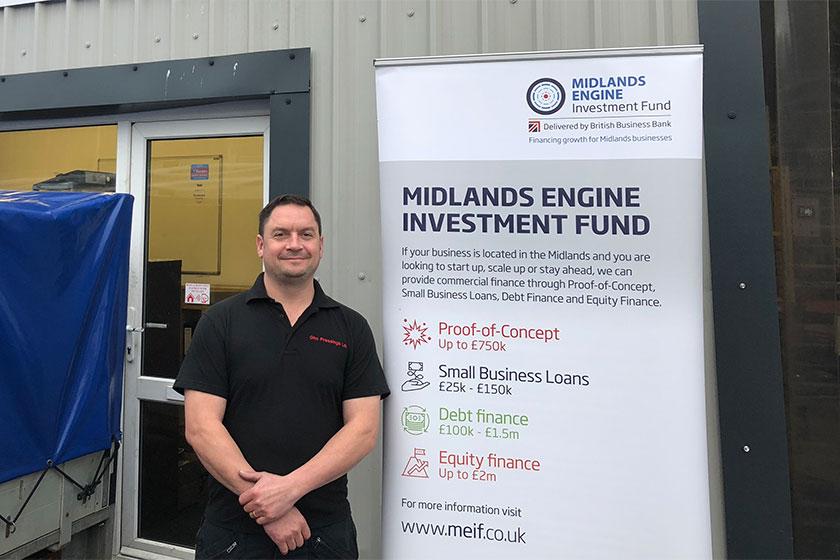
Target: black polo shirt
x,y
284,387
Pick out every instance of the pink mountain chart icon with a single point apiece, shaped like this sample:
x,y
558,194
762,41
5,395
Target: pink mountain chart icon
x,y
417,466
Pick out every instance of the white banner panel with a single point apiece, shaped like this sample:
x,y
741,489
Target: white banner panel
x,y
541,227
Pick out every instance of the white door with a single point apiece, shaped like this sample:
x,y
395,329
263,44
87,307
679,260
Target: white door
x,y
198,186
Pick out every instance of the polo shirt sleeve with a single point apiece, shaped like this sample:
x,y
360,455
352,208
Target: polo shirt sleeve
x,y
205,366
364,376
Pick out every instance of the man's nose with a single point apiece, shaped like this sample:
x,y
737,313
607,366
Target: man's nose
x,y
294,242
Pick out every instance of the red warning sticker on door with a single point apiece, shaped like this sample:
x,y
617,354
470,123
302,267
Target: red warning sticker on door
x,y
197,293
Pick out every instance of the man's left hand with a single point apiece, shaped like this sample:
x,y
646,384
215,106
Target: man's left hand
x,y
269,498
289,532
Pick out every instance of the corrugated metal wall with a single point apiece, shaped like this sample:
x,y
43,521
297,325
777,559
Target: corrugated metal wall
x,y
345,36
77,33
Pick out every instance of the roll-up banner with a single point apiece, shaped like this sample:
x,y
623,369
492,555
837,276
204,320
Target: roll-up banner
x,y
541,232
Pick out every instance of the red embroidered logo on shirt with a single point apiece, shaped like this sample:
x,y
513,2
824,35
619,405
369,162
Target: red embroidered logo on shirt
x,y
340,344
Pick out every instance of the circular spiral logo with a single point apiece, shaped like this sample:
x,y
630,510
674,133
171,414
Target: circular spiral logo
x,y
545,96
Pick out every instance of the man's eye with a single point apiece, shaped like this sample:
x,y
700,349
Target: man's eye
x,y
307,235
279,234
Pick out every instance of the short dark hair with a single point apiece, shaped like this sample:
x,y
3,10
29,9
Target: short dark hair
x,y
285,200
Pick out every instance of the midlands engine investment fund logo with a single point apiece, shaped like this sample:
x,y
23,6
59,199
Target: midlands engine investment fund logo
x,y
597,97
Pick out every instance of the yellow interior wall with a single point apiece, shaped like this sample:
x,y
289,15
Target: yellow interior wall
x,y
31,156
183,225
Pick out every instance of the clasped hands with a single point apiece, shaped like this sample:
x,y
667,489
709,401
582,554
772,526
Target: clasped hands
x,y
270,502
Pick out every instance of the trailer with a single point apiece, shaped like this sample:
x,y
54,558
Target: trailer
x,y
63,293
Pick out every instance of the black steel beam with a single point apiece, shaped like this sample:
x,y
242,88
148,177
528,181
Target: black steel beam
x,y
156,84
289,144
754,451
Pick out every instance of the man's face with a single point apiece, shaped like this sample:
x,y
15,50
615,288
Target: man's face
x,y
290,245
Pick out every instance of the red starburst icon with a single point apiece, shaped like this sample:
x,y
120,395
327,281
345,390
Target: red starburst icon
x,y
414,333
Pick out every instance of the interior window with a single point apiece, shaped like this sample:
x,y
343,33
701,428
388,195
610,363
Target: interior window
x,y
59,159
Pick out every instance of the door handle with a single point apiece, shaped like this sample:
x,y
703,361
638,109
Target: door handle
x,y
129,341
132,331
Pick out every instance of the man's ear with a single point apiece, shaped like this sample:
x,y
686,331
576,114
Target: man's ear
x,y
260,244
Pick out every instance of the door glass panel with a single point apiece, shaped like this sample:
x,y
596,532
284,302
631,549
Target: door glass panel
x,y
173,483
802,77
59,159
204,198
199,222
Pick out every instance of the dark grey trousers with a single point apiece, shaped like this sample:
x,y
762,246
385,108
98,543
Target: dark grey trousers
x,y
336,541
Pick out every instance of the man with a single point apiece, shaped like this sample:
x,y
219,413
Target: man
x,y
282,391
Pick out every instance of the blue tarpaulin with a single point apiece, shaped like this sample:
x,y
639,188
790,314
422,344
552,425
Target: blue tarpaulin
x,y
63,292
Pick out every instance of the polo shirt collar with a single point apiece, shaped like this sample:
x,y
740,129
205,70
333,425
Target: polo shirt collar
x,y
257,291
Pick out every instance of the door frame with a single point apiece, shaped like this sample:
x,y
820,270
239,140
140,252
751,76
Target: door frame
x,y
138,386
